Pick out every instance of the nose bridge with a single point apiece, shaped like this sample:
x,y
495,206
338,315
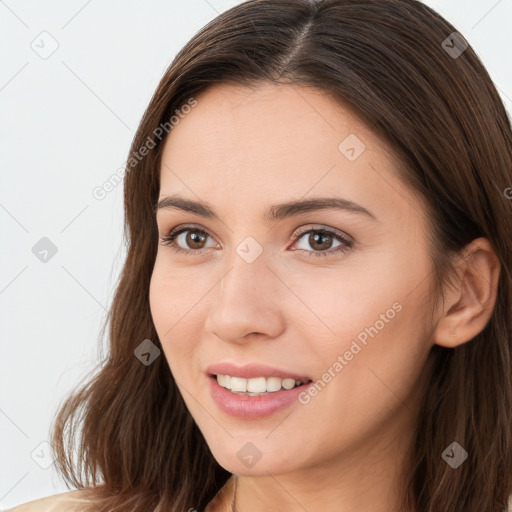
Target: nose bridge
x,y
246,274
246,261
245,296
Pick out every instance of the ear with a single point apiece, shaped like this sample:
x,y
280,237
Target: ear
x,y
469,305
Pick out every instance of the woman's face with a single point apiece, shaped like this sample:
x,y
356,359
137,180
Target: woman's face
x,y
261,285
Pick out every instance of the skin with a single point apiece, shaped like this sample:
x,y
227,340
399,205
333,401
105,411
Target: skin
x,y
242,150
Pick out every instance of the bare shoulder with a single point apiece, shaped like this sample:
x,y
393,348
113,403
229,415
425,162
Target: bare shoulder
x,y
71,501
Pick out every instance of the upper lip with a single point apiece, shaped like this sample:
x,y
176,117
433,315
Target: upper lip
x,y
253,370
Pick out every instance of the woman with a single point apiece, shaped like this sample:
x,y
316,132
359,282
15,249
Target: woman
x,y
315,309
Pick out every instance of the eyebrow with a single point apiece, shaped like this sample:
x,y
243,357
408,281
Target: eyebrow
x,y
274,213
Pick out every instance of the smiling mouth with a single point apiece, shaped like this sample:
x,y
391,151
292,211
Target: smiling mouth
x,y
257,386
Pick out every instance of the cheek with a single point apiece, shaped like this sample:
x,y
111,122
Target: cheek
x,y
175,319
373,384
382,359
178,287
170,296
339,306
159,302
377,338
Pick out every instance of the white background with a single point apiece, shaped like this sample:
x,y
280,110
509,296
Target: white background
x,y
66,126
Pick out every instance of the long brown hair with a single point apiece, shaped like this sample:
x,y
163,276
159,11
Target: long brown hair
x,y
400,68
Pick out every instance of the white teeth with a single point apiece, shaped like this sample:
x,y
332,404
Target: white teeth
x,y
273,383
238,384
224,381
256,385
288,383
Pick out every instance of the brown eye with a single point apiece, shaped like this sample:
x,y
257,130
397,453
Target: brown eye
x,y
195,240
321,240
187,240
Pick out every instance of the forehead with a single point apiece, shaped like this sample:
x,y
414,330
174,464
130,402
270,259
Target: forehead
x,y
277,118
279,142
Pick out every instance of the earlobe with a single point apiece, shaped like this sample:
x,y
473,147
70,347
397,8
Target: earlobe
x,y
469,305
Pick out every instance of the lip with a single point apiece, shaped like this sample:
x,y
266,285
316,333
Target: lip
x,y
253,370
251,407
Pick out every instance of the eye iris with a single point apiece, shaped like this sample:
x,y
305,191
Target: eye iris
x,y
315,240
193,238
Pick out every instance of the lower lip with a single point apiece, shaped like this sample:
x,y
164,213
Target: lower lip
x,y
245,406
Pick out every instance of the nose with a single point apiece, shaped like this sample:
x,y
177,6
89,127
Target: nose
x,y
247,301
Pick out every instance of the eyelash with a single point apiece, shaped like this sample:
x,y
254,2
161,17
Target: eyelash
x,y
171,236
